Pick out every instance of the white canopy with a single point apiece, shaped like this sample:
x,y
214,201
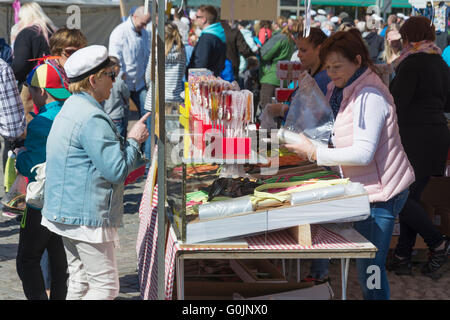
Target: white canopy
x,y
98,17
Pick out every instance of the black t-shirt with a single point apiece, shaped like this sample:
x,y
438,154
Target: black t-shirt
x,y
29,44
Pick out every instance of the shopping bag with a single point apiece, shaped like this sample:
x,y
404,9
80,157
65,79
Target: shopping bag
x,y
309,112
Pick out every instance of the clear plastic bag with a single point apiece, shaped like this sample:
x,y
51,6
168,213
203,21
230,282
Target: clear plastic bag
x,y
309,112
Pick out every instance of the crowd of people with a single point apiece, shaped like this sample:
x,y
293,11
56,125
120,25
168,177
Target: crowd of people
x,y
66,104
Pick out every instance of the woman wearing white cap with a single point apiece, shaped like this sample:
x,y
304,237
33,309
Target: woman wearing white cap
x,y
87,163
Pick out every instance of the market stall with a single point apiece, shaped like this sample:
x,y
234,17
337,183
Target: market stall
x,y
231,191
220,187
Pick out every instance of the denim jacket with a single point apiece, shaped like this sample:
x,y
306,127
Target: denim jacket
x,y
87,164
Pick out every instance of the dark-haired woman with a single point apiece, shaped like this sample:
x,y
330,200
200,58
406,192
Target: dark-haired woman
x,y
367,148
421,90
308,53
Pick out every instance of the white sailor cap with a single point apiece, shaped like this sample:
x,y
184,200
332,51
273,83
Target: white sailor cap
x,y
322,12
376,17
86,61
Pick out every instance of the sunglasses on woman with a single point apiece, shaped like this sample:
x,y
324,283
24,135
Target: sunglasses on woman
x,y
68,52
112,75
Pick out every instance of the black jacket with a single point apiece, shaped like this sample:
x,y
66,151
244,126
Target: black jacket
x,y
375,44
209,53
29,44
236,45
421,91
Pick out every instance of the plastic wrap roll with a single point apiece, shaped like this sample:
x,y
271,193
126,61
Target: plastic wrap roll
x,y
317,194
225,208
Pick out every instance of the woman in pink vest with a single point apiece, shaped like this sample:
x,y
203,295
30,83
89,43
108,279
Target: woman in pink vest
x,y
367,148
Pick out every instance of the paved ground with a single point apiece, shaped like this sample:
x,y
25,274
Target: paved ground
x,y
402,288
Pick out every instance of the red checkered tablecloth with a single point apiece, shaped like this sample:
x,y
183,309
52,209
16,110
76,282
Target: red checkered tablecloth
x,y
146,246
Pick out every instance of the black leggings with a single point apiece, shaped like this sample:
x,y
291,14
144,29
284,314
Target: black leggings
x,y
33,240
415,220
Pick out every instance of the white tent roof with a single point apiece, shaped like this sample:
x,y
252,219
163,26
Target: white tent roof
x,y
98,17
67,3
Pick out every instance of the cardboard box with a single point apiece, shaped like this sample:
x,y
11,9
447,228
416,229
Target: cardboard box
x,y
248,9
257,270
442,216
318,292
209,290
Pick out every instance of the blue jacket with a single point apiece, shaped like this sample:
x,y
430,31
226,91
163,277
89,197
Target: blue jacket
x,y
87,164
5,51
210,50
36,140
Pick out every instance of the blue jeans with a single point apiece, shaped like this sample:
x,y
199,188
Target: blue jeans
x,y
45,266
378,230
138,98
121,126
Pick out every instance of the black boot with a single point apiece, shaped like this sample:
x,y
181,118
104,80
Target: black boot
x,y
436,259
401,266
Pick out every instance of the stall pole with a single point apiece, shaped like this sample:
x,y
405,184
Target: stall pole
x,y
123,14
161,151
153,76
345,263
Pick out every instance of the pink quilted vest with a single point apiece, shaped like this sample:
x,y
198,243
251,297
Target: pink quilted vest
x,y
390,172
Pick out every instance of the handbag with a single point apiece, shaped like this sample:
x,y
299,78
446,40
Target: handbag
x,y
14,199
35,189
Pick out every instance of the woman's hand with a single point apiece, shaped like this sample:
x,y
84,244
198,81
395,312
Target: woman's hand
x,y
139,131
304,148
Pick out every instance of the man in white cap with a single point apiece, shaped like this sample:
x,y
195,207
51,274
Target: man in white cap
x,y
321,16
322,12
374,41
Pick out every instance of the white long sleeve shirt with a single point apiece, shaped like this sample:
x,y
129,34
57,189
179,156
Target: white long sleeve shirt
x,y
369,116
133,50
